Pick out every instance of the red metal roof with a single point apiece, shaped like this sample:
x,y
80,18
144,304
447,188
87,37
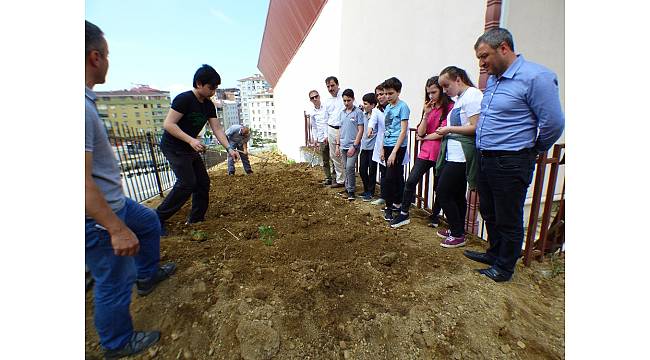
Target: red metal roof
x,y
287,24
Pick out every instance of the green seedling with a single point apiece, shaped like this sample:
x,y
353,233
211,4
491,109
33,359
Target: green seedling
x,y
267,234
291,161
199,235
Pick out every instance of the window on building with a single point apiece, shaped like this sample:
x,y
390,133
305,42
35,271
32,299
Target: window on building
x,y
158,106
136,106
137,114
139,122
124,115
113,115
146,105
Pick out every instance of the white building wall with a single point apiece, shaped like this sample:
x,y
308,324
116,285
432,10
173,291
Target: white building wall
x,y
426,36
352,41
313,62
538,31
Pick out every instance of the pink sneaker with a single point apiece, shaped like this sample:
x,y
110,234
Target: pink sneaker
x,y
453,242
443,233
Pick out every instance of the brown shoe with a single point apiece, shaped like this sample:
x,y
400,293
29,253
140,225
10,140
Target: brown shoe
x,y
336,185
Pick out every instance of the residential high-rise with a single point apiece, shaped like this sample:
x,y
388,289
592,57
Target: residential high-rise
x,y
230,113
262,115
141,108
248,87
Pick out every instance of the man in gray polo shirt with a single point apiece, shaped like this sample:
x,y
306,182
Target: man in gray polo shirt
x,y
122,236
238,136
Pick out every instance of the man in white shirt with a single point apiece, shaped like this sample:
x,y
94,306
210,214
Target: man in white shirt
x,y
319,131
333,107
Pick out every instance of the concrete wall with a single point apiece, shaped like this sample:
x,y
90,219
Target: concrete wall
x,y
313,62
353,41
411,40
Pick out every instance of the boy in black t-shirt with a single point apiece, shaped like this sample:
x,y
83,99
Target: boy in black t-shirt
x,y
188,114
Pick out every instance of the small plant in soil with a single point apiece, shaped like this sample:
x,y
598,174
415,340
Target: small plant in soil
x,y
199,235
267,234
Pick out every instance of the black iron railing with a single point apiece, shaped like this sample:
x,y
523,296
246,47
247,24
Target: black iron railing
x,y
145,171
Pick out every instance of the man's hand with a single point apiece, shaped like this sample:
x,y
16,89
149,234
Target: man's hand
x,y
325,141
124,242
381,154
371,132
351,151
337,152
234,154
197,145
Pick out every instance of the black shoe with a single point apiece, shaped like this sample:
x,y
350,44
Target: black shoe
x,y
249,172
231,173
478,256
336,185
140,340
388,214
434,221
400,220
146,286
494,274
327,182
351,196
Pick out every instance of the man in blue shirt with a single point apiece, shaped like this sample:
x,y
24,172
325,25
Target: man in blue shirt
x,y
521,116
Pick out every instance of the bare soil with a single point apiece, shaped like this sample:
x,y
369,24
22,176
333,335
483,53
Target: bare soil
x,y
336,283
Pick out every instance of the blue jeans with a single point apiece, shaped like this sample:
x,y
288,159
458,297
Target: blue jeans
x,y
350,163
502,185
114,275
243,157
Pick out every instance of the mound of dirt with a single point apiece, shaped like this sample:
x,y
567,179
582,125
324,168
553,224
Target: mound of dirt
x,y
284,268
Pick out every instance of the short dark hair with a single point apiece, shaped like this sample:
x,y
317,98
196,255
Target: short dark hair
x,y
330,78
348,93
206,75
370,98
94,38
455,72
494,38
392,83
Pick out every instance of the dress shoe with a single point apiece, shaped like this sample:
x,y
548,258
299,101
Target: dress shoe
x,y
478,256
336,185
494,274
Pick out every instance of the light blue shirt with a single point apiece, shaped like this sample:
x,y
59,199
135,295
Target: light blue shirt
x,y
523,101
394,115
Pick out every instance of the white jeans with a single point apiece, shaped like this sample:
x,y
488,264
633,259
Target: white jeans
x,y
339,168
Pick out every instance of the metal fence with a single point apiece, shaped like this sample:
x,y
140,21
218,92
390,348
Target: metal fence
x,y
144,170
549,238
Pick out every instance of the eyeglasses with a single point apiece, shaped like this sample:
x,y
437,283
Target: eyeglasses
x,y
314,97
